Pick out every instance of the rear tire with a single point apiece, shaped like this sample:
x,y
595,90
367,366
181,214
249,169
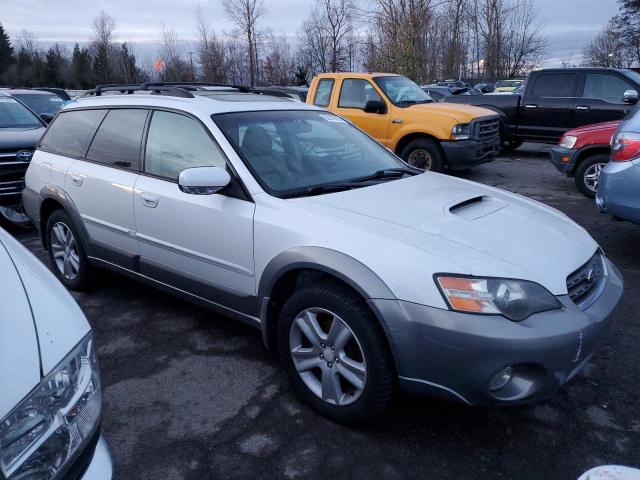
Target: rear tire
x,y
327,336
425,154
588,174
68,257
509,146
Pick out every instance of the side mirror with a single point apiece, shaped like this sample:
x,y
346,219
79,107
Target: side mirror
x,y
375,106
630,96
47,117
203,180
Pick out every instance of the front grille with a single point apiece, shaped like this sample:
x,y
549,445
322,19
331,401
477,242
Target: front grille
x,y
486,129
584,282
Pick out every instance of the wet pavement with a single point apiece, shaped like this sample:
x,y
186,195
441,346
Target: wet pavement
x,y
193,395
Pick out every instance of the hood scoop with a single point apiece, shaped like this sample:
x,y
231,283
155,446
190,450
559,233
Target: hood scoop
x,y
475,207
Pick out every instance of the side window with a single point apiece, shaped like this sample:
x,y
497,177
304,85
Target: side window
x,y
323,92
553,85
606,87
355,93
71,133
176,142
119,138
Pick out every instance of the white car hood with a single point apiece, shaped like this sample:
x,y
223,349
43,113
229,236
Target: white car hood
x,y
432,210
39,322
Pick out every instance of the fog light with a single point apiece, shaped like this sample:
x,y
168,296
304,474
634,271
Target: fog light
x,y
500,379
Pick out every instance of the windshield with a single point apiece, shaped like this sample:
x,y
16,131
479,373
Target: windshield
x,y
402,91
15,115
509,83
41,103
291,152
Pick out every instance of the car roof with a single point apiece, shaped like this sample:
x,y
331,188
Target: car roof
x,y
205,102
26,91
358,75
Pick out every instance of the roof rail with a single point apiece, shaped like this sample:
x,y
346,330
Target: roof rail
x,y
199,85
132,88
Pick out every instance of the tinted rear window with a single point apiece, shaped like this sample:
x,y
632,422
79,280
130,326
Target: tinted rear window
x,y
553,85
118,140
71,132
41,102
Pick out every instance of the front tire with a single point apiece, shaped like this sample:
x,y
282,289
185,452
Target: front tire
x,y
588,174
511,145
67,255
335,353
425,154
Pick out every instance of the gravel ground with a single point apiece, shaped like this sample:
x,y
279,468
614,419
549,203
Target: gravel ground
x,y
193,395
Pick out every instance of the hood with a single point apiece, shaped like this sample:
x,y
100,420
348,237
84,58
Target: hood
x,y
40,323
18,139
607,127
456,111
486,231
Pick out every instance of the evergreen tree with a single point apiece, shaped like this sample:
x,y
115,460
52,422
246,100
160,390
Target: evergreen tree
x,y
6,52
81,68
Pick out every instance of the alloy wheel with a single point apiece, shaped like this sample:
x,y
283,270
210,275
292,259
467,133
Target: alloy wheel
x,y
327,356
65,251
592,176
420,158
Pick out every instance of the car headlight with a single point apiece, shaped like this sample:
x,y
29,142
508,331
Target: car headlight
x,y
462,131
515,299
57,418
568,141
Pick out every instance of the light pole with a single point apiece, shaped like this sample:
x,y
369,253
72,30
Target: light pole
x,y
610,60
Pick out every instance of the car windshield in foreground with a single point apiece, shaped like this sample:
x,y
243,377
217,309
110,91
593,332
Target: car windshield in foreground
x,y
298,153
402,91
15,115
41,103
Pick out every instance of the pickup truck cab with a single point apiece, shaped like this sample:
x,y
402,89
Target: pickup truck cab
x,y
404,118
556,100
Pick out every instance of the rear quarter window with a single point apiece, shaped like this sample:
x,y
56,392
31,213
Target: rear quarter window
x,y
322,96
71,132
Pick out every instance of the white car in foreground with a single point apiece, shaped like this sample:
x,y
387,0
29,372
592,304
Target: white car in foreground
x,y
50,395
364,273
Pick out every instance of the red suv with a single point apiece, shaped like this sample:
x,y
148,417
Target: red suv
x,y
583,152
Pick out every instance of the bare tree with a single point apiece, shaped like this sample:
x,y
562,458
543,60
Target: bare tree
x,y
176,69
102,47
524,45
210,51
606,50
246,15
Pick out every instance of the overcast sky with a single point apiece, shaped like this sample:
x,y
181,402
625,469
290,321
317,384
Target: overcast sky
x,y
568,24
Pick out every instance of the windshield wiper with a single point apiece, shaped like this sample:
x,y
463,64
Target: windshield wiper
x,y
387,173
414,102
320,189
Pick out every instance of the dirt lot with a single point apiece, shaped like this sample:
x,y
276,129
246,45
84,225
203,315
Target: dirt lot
x,y
191,395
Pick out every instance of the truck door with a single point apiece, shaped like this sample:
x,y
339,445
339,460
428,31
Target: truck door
x,y
353,96
600,98
547,107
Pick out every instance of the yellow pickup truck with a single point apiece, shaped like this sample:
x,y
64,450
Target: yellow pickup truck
x,y
401,116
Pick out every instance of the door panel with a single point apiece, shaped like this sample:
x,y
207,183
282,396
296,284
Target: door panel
x,y
601,98
207,238
547,111
353,95
104,198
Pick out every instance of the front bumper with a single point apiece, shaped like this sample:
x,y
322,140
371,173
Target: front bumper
x,y
564,159
464,154
454,355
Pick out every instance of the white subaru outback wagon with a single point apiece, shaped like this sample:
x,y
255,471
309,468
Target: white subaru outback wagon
x,y
365,274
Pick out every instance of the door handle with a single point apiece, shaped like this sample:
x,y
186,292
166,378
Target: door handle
x,y
582,108
75,179
149,200
531,107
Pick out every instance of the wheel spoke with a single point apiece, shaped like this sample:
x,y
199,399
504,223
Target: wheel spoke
x,y
68,237
352,371
305,358
339,334
57,252
75,262
66,267
309,327
59,233
331,391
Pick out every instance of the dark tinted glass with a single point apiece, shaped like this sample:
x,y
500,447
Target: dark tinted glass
x,y
71,132
41,102
606,87
118,139
553,85
323,92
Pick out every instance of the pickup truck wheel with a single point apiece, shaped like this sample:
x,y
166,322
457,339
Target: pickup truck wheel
x,y
509,146
335,353
68,258
588,174
423,153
